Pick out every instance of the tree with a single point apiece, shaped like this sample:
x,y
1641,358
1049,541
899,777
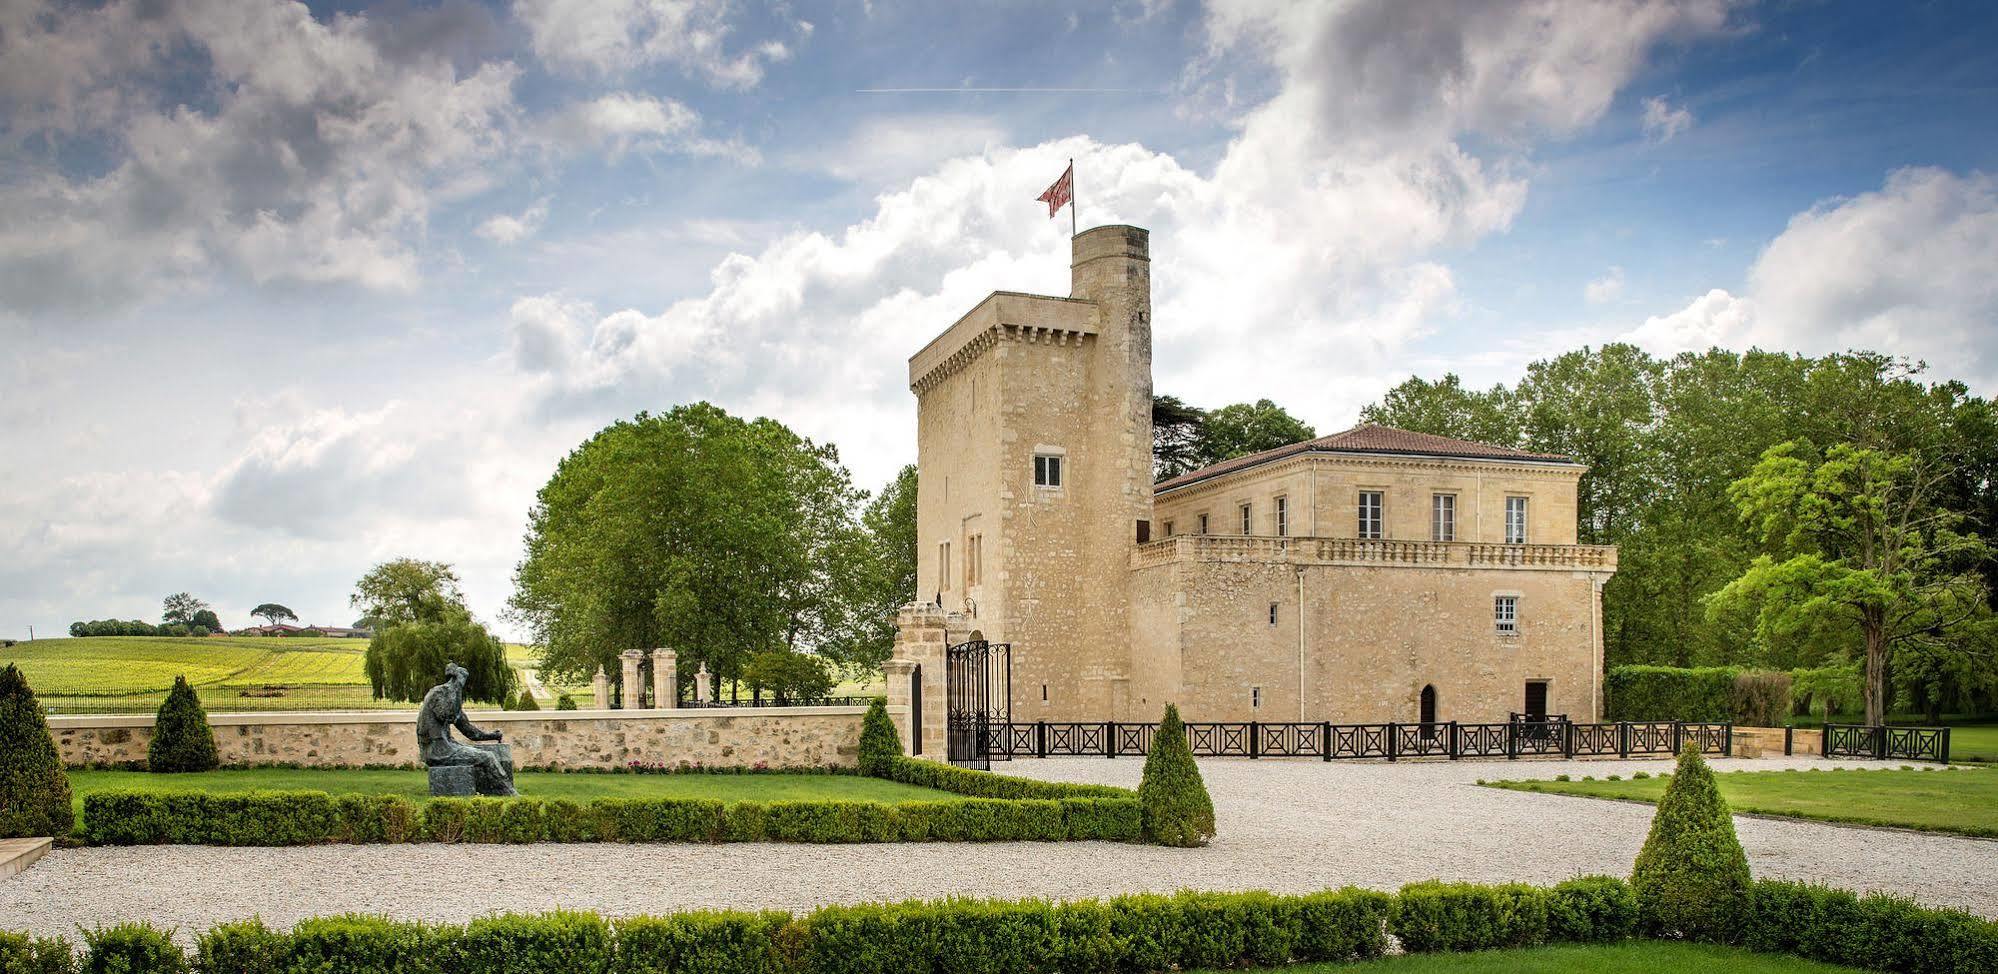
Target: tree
x,y
1854,538
179,609
206,619
1245,428
34,789
408,590
880,743
404,661
1176,430
695,529
1177,808
1691,878
273,613
877,576
788,674
182,739
1446,408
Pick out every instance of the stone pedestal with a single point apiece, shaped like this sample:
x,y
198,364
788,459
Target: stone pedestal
x,y
704,685
600,690
452,781
665,679
634,691
918,678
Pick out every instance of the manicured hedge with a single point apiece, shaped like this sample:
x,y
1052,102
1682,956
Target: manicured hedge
x,y
1139,934
274,818
1670,693
985,784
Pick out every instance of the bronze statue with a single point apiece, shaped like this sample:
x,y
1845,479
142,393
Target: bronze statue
x,y
444,708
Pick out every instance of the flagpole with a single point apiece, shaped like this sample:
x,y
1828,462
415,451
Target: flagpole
x,y
1071,199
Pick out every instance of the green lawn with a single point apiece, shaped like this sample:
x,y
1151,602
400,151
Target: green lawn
x,y
534,784
1959,800
1637,957
1974,742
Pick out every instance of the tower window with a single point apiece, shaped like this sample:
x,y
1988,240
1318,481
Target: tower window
x,y
1255,696
1047,470
1273,613
1370,514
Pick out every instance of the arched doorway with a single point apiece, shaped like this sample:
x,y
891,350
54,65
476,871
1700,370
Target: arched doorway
x,y
1428,710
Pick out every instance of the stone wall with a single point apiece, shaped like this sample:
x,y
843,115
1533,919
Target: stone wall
x,y
733,737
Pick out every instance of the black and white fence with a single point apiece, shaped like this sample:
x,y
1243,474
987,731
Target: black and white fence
x,y
1886,743
1391,741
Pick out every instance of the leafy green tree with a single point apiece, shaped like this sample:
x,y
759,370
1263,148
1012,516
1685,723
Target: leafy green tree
x,y
1855,538
34,789
206,619
273,613
1830,689
179,608
1176,430
408,590
875,576
1245,428
1691,877
404,661
1446,408
693,529
1597,407
182,739
1177,809
788,674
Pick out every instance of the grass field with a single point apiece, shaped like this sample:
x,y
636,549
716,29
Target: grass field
x,y
1961,801
1636,957
415,785
131,674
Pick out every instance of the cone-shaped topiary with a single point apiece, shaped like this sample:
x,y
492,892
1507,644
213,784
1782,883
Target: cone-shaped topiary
x,y
565,702
525,701
181,738
880,744
34,790
1177,809
1692,878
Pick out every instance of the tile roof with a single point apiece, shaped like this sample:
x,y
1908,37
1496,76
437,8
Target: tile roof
x,y
1367,439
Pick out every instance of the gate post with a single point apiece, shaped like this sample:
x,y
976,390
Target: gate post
x,y
1110,739
1880,742
1727,738
1678,737
1392,733
1255,739
1325,739
1789,740
1040,738
1568,740
1453,741
1943,754
1824,740
1623,738
919,648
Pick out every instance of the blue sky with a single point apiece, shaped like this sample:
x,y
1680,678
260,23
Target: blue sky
x,y
285,291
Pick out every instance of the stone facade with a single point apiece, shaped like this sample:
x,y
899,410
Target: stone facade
x,y
1118,596
735,737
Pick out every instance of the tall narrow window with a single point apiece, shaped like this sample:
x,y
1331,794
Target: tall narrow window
x,y
1203,524
1248,519
1047,470
974,556
1273,613
1168,529
1443,518
1370,514
1255,696
1283,516
1515,520
1505,613
943,565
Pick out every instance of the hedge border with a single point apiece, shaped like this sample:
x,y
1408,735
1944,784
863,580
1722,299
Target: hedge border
x,y
1136,934
284,818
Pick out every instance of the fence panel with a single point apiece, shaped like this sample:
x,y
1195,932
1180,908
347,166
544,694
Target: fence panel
x,y
1886,743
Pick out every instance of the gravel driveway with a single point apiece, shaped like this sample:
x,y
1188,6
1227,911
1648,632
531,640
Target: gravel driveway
x,y
1285,825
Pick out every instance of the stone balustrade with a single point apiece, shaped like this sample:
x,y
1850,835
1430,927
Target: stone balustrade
x,y
1356,551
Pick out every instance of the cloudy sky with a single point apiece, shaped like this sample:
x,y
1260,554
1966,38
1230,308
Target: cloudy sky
x,y
289,289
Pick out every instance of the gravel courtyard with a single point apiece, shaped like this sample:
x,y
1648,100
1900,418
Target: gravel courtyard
x,y
1285,825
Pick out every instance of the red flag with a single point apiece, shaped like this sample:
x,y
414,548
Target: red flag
x,y
1061,193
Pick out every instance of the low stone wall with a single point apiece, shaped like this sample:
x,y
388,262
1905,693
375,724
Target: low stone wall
x,y
1767,742
732,737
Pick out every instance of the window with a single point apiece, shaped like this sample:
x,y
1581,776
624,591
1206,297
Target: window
x,y
1273,608
1248,519
1203,525
1255,696
1370,514
1168,529
1283,516
1443,518
943,565
1047,470
1505,613
1044,693
974,559
1515,520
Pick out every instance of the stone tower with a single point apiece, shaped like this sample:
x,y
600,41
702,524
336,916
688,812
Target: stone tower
x,y
1034,448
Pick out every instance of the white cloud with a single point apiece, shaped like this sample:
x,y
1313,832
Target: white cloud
x,y
1662,121
504,228
1606,288
624,122
314,156
608,38
1904,270
891,150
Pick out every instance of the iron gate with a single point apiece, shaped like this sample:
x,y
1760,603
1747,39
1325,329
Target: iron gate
x,y
979,676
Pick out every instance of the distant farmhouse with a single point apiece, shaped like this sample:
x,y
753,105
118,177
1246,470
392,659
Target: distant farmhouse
x,y
280,629
1372,575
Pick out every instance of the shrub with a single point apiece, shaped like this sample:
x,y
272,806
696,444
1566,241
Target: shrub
x,y
550,943
1760,699
1177,810
241,947
880,745
1881,932
22,954
131,948
1640,693
1691,877
1591,909
565,702
985,784
351,942
181,740
378,818
34,789
524,700
1107,819
1435,916
713,942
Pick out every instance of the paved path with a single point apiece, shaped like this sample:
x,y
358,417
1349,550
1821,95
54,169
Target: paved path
x,y
1285,825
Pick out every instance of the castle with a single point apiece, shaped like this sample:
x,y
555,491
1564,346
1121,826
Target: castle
x,y
1372,575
